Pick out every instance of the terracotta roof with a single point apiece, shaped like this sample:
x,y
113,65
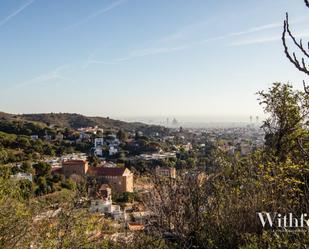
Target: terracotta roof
x,y
73,162
136,227
56,169
106,171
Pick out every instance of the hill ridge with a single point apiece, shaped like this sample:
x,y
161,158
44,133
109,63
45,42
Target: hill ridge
x,y
75,121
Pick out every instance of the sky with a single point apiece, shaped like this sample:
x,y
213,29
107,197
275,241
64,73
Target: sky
x,y
199,59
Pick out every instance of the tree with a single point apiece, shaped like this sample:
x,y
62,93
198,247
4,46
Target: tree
x,y
26,188
5,172
122,135
127,197
15,217
26,167
285,164
3,155
49,150
178,207
23,142
69,184
288,114
72,227
42,186
42,169
93,160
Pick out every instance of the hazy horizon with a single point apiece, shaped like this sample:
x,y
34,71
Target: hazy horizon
x,y
192,119
163,118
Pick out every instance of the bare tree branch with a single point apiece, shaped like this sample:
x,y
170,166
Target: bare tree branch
x,y
300,64
292,57
306,88
303,150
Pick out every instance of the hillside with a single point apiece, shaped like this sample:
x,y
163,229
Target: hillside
x,y
60,119
73,120
6,116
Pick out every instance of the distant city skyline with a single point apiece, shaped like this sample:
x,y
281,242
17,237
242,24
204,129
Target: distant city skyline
x,y
193,121
134,58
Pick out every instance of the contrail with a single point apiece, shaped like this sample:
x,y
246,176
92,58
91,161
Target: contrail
x,y
95,14
15,13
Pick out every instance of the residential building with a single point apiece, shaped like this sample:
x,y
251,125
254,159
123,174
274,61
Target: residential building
x,y
166,171
93,130
98,142
84,136
98,146
113,150
59,137
22,176
157,156
120,179
98,151
47,137
78,167
141,217
103,203
105,192
34,137
112,140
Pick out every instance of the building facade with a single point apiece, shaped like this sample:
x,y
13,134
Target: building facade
x,y
77,167
166,172
119,179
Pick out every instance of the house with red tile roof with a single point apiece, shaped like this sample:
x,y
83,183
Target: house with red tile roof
x,y
77,167
120,179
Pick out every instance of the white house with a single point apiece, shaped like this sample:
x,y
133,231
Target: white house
x,y
98,146
34,137
113,150
22,176
98,142
98,151
104,203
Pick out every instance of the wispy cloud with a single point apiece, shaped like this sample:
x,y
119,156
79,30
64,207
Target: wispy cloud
x,y
134,55
262,39
258,40
253,30
55,74
257,29
96,14
185,32
16,12
165,50
265,39
244,32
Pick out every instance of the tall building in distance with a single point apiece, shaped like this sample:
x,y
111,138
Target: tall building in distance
x,y
174,122
167,121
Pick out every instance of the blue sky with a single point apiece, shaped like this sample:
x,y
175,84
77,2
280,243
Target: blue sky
x,y
119,58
